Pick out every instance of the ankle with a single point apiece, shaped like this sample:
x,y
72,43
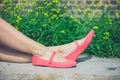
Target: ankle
x,y
40,52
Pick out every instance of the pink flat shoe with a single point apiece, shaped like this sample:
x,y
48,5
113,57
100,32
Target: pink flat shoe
x,y
37,61
80,48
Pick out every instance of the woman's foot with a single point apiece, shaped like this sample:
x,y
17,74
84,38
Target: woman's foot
x,y
58,57
75,48
52,59
67,48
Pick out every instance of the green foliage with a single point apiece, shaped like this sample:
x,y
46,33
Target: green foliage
x,y
48,23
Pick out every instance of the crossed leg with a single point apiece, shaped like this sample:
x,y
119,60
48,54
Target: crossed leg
x,y
11,55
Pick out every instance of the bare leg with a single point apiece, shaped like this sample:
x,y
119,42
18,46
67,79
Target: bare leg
x,y
11,55
10,37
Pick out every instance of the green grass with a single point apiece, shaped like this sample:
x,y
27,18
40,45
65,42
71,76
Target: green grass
x,y
49,24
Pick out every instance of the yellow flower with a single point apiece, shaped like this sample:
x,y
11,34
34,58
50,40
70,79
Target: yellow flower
x,y
82,6
23,4
71,17
33,2
89,14
105,37
95,27
50,13
40,7
49,4
16,6
31,10
58,10
64,13
53,9
117,14
55,1
46,14
36,0
18,17
106,33
88,9
18,10
5,1
37,13
78,9
77,21
55,15
62,31
17,21
110,22
65,7
45,2
98,5
5,10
